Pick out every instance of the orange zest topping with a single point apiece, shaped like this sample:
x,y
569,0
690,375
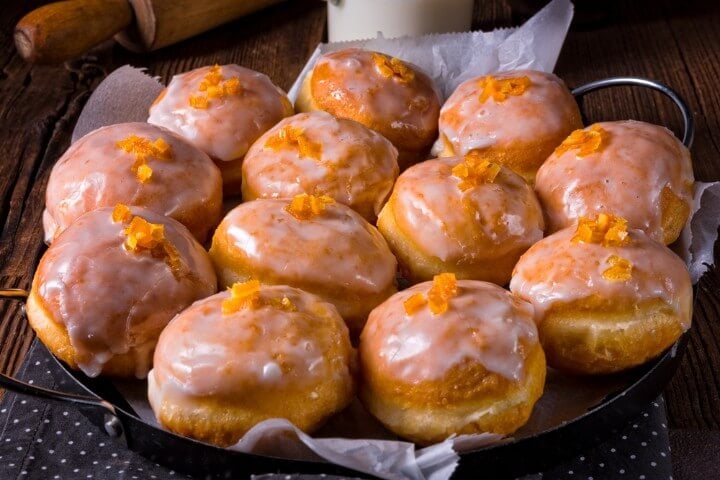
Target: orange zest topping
x,y
143,149
607,230
143,236
294,137
305,207
414,303
392,68
444,288
620,269
585,141
121,213
242,295
199,102
247,295
474,170
161,149
214,86
143,172
500,89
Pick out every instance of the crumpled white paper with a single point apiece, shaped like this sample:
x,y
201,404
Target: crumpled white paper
x,y
452,58
697,242
125,96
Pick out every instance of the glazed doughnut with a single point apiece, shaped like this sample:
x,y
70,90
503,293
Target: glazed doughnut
x,y
464,215
386,94
135,164
447,357
637,170
221,110
318,154
311,243
606,298
110,283
249,354
515,118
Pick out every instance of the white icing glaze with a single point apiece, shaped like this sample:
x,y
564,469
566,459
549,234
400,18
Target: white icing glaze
x,y
226,129
544,110
478,224
557,271
204,353
484,324
337,247
112,300
405,112
357,166
625,176
95,173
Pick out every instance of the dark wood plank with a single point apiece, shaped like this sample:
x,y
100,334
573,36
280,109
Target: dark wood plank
x,y
39,108
41,104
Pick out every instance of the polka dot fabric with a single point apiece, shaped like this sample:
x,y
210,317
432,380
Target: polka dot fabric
x,y
50,441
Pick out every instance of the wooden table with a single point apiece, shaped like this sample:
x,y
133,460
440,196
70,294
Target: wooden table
x,y
675,42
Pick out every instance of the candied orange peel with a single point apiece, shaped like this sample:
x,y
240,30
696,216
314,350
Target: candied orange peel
x,y
393,68
414,303
294,137
143,236
212,86
305,207
121,213
607,230
444,287
475,170
620,269
242,295
143,150
246,295
499,89
585,141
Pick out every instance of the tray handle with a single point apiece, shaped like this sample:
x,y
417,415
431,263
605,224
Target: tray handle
x,y
112,424
687,115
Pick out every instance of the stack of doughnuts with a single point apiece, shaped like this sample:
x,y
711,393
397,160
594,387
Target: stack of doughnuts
x,y
341,206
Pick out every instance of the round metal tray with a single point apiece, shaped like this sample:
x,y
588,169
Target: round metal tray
x,y
526,453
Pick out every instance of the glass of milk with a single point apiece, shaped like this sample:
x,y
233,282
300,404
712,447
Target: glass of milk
x,y
361,19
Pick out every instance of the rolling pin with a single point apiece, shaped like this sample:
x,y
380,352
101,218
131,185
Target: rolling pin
x,y
64,30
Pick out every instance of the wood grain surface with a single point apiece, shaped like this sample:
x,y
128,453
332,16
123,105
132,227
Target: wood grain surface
x,y
677,42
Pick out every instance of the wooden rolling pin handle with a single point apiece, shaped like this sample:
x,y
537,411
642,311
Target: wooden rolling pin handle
x,y
64,30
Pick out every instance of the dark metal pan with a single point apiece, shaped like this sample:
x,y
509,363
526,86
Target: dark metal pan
x,y
107,409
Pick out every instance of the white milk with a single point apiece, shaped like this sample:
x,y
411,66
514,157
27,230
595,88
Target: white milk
x,y
360,19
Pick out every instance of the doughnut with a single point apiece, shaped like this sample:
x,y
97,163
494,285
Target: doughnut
x,y
249,354
221,110
607,298
318,154
311,243
464,215
451,357
515,118
135,164
636,170
110,283
384,93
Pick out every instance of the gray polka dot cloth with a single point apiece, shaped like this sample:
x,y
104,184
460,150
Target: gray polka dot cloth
x,y
42,440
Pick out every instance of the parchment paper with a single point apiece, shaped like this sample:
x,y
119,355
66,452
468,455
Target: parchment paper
x,y
353,438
